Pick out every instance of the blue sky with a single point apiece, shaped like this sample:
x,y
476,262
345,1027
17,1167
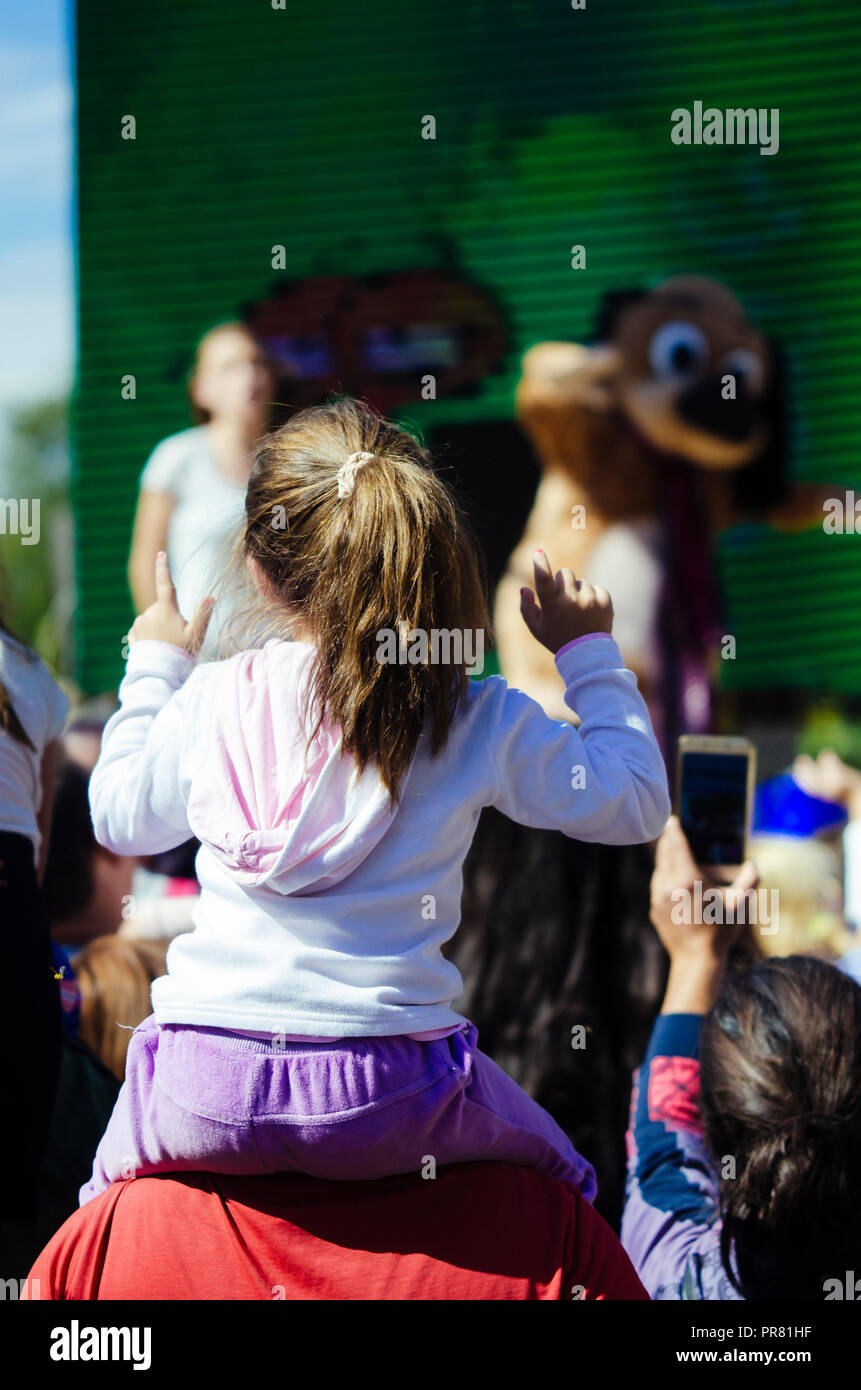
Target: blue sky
x,y
37,334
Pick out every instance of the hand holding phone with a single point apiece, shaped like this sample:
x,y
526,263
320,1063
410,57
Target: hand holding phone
x,y
714,796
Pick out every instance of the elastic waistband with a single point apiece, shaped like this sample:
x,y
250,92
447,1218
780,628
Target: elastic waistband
x,y
238,1042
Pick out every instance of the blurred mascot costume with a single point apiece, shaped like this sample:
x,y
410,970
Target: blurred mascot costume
x,y
666,431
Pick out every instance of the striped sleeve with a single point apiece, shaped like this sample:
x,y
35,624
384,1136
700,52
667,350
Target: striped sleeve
x,y
671,1222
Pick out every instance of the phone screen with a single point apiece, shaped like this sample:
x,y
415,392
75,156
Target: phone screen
x,y
713,808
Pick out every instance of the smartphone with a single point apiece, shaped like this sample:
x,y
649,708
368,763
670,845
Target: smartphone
x,y
714,796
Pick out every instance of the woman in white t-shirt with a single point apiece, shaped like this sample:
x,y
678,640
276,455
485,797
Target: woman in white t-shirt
x,y
192,489
33,711
191,501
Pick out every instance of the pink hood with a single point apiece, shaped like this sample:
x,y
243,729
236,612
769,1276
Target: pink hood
x,y
267,819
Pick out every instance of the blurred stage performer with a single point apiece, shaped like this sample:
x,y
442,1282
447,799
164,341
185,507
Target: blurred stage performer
x,y
665,432
192,490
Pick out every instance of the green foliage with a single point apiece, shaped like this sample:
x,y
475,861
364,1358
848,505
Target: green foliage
x,y
38,590
830,726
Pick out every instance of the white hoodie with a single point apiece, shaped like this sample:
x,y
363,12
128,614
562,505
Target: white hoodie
x,y
321,912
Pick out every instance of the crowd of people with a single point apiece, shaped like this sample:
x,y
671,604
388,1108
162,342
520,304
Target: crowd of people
x,y
231,906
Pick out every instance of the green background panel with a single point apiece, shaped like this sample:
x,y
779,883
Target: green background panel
x,y
301,127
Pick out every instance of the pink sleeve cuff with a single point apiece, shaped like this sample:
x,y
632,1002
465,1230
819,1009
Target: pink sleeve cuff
x,y
587,637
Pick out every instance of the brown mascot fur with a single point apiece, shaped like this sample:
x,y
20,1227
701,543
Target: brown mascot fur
x,y
650,442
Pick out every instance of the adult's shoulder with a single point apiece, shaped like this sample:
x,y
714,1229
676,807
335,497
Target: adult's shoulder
x,y
567,1246
474,1231
70,1266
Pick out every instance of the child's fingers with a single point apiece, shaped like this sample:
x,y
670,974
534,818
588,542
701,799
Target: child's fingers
x,y
548,586
545,584
529,609
164,590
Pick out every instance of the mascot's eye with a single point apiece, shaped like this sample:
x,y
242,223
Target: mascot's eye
x,y
745,366
678,350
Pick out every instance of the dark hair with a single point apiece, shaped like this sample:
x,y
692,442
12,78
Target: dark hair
x,y
397,553
781,1094
68,882
554,933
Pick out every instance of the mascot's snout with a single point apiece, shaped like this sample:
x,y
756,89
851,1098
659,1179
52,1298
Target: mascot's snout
x,y
705,406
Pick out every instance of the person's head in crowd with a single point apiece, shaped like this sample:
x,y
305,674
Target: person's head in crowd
x,y
779,1083
114,976
780,1061
799,821
86,887
805,874
231,379
335,575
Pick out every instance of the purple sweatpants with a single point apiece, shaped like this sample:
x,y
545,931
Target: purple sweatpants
x,y
206,1098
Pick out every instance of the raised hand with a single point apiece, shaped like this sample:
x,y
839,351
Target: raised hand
x,y
830,778
569,607
163,622
698,949
673,897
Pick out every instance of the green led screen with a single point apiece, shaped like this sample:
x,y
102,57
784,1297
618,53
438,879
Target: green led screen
x,y
302,127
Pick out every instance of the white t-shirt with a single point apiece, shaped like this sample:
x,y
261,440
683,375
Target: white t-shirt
x,y
41,707
208,513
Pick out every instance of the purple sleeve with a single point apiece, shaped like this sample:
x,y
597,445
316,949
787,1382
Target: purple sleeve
x,y
671,1222
587,637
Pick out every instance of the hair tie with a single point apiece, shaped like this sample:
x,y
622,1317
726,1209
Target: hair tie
x,y
347,473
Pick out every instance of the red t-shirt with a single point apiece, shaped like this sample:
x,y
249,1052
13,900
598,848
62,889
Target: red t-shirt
x,y
476,1231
